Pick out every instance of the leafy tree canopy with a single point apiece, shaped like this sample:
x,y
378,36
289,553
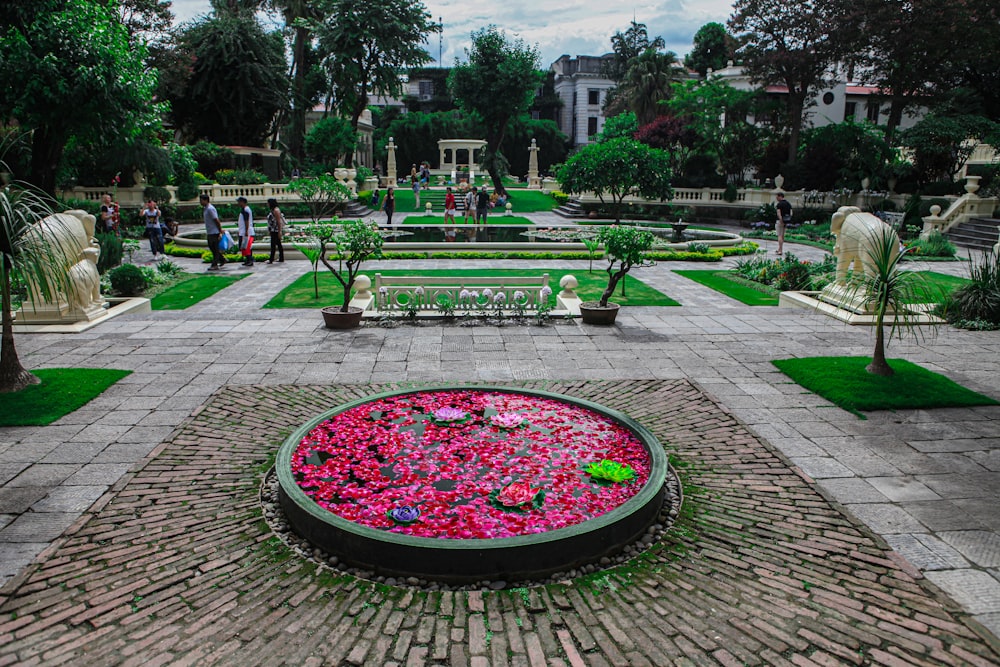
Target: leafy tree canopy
x,y
329,140
713,48
496,84
617,168
626,46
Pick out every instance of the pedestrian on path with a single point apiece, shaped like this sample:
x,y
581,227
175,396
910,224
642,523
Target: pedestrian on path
x,y
482,205
389,205
213,231
276,230
784,208
151,215
470,204
416,193
244,225
449,206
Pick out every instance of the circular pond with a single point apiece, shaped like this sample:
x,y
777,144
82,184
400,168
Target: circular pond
x,y
465,483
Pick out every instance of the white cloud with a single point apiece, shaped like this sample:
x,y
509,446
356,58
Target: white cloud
x,y
574,27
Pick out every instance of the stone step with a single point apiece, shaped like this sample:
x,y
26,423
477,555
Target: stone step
x,y
975,233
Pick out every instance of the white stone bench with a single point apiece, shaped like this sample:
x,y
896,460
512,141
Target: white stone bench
x,y
402,293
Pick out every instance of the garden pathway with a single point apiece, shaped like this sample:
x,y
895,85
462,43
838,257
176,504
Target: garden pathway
x,y
858,528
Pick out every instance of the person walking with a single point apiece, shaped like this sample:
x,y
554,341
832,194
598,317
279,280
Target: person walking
x,y
449,206
416,193
244,225
470,204
275,229
151,215
482,205
389,204
784,219
213,231
109,214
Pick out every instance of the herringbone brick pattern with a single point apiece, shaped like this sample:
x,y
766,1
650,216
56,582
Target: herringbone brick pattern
x,y
175,566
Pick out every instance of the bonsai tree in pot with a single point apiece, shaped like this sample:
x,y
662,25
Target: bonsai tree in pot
x,y
625,248
355,242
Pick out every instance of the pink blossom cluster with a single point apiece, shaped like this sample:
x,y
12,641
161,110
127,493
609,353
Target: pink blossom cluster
x,y
392,452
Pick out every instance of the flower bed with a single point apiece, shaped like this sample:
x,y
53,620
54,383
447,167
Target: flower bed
x,y
463,464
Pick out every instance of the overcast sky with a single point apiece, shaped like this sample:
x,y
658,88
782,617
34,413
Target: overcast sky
x,y
574,27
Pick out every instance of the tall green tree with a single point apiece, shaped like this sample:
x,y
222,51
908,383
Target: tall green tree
x,y
366,48
236,80
795,45
647,83
59,85
627,46
496,84
329,140
616,169
299,16
713,48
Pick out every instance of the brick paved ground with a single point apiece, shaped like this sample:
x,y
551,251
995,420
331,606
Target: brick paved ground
x,y
174,565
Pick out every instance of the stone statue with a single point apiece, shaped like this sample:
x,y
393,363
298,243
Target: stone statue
x,y
534,182
857,234
70,236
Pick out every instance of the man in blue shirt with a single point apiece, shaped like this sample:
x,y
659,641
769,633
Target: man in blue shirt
x,y
213,230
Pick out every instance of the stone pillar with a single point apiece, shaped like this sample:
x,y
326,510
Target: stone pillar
x,y
533,181
390,164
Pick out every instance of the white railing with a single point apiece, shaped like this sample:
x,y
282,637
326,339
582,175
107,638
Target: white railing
x,y
472,294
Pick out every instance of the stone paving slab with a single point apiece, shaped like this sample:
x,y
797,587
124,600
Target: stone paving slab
x,y
175,566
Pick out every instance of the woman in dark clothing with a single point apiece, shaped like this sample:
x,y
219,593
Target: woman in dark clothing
x,y
276,230
389,204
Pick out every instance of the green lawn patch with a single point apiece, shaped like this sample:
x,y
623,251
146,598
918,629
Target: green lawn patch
x,y
940,285
300,293
734,286
844,382
191,289
61,391
491,219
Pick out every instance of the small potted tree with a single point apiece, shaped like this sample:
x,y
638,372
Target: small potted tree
x,y
625,248
355,241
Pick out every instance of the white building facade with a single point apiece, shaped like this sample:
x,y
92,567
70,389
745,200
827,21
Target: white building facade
x,y
582,88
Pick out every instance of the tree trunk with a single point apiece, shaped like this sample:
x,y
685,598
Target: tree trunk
x,y
796,105
896,107
46,151
613,278
13,376
299,100
493,143
879,366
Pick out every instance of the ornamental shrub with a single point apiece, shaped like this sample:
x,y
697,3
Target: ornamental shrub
x,y
127,280
111,251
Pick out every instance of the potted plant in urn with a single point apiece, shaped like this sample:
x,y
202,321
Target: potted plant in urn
x,y
355,241
625,248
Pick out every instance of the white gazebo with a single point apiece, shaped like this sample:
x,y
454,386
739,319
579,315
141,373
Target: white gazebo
x,y
457,153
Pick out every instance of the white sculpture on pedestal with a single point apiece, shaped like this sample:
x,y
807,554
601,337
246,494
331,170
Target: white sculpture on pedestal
x,y
534,182
71,234
857,235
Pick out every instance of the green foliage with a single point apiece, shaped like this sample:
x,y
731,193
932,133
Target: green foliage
x,y
713,48
211,157
616,169
626,47
621,126
610,471
47,64
939,145
239,177
355,241
157,193
978,303
787,273
560,197
127,280
236,80
841,155
329,141
367,52
496,85
324,194
647,83
935,245
416,134
111,251
624,248
192,289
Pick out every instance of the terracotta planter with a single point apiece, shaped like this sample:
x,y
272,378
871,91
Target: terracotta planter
x,y
334,318
591,312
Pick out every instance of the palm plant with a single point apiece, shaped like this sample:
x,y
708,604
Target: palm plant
x,y
889,292
647,82
30,255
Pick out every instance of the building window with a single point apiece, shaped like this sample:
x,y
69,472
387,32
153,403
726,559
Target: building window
x,y
593,97
592,126
828,98
873,110
850,109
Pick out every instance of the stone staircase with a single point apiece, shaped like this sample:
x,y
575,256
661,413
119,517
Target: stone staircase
x,y
355,209
975,233
571,209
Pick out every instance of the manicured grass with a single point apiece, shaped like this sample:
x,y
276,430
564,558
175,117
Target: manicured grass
x,y
191,289
523,201
844,382
300,293
491,219
939,285
728,283
61,391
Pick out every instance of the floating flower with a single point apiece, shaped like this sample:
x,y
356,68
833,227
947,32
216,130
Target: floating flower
x,y
404,515
449,414
517,495
507,420
611,471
